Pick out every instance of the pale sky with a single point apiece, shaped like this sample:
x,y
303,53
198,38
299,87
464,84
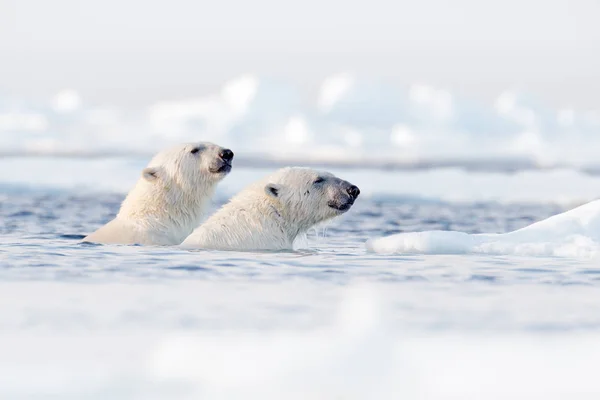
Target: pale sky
x,y
132,52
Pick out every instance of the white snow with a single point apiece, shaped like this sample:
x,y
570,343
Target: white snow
x,y
575,233
130,340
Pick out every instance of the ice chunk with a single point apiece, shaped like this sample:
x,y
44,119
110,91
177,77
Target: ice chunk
x,y
575,233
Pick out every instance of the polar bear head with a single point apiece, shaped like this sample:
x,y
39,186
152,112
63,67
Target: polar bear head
x,y
176,186
306,197
189,166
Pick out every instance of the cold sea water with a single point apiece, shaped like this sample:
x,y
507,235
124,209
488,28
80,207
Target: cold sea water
x,y
332,321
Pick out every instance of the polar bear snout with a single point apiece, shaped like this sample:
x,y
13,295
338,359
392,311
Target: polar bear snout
x,y
222,164
226,155
344,198
354,191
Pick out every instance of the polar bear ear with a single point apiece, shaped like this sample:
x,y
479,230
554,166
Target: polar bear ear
x,y
272,189
150,174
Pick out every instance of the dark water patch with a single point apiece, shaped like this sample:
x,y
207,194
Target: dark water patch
x,y
228,264
89,244
371,214
42,265
484,278
21,214
72,236
53,254
589,272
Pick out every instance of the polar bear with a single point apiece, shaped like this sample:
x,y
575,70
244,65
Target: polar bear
x,y
168,201
272,213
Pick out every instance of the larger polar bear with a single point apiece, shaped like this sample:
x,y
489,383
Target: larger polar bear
x,y
272,213
170,197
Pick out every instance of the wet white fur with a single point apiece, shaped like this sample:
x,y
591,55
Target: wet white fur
x,y
169,199
255,219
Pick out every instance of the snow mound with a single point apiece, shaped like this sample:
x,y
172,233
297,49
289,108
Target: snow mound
x,y
575,233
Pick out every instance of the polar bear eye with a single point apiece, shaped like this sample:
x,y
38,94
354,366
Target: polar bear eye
x,y
195,150
319,180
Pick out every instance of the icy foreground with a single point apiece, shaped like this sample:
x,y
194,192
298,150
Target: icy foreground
x,y
575,233
351,120
227,339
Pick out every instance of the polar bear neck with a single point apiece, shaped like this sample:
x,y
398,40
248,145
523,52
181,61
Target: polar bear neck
x,y
287,220
173,210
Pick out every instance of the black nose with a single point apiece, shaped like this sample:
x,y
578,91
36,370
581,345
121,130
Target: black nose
x,y
226,155
353,191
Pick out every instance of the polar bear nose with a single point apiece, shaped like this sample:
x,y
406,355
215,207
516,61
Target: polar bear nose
x,y
353,191
226,155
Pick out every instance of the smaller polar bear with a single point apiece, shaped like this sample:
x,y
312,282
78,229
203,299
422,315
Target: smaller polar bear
x,y
169,199
272,213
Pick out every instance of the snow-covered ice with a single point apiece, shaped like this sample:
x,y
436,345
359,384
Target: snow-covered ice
x,y
574,233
